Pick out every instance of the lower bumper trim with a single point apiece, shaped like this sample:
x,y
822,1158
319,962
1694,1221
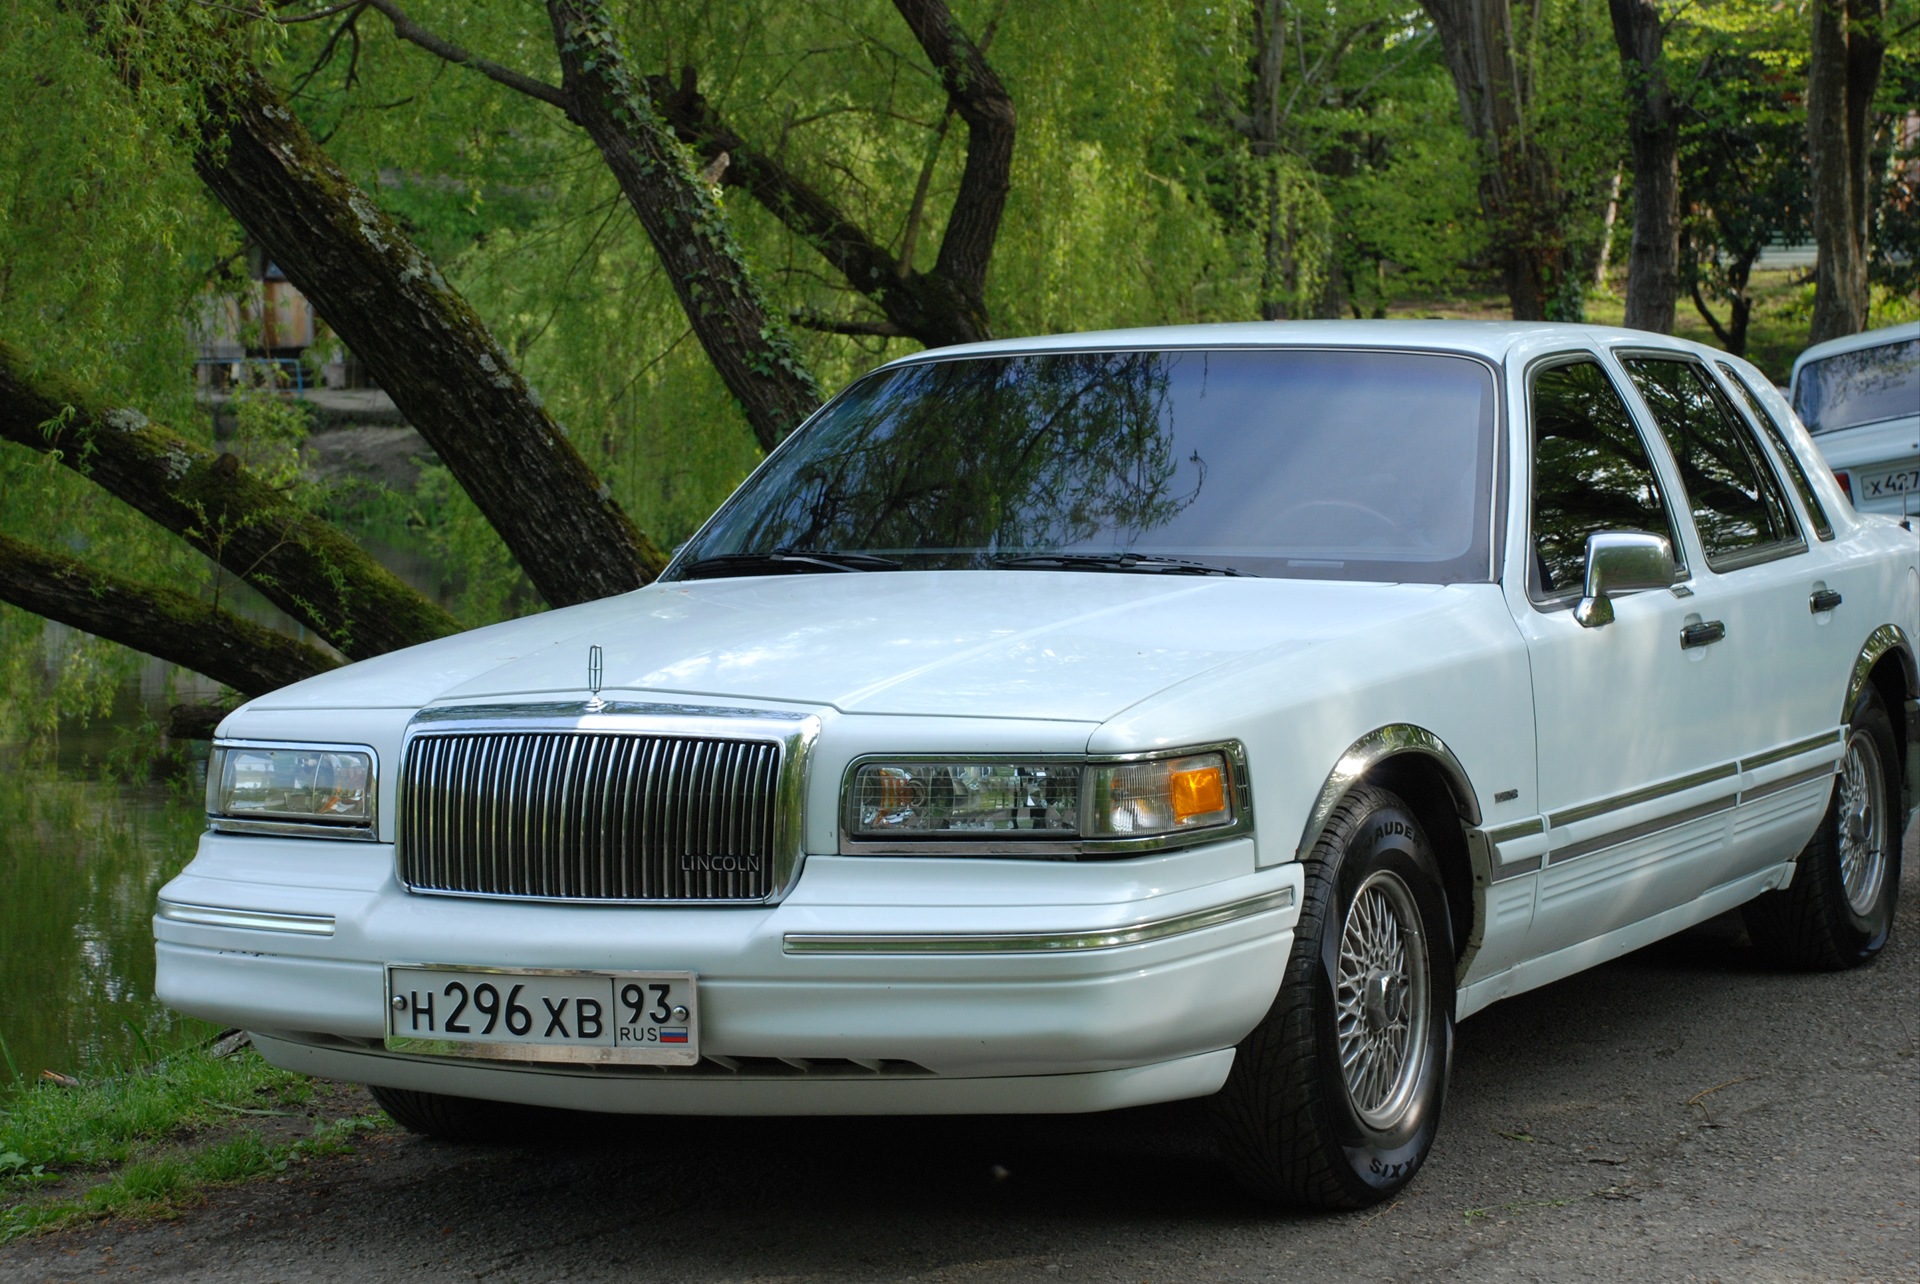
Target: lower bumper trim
x,y
1035,942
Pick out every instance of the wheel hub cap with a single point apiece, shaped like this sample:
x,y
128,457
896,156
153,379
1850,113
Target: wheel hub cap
x,y
1381,1001
1862,836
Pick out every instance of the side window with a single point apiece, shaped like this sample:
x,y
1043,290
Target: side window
x,y
1590,473
1778,436
1738,506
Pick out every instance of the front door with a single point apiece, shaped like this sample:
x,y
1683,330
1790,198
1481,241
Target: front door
x,y
1637,773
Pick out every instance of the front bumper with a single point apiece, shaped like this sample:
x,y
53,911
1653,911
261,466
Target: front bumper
x,y
880,985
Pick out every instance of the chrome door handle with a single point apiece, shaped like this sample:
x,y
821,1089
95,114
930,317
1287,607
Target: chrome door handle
x,y
1702,634
1823,600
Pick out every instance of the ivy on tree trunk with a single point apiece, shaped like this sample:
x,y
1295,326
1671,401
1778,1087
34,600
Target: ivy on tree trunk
x,y
251,658
299,562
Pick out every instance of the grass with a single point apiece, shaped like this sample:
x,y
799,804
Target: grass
x,y
148,1141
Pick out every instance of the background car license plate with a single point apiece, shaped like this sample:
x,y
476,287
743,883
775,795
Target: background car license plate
x,y
1904,480
513,1014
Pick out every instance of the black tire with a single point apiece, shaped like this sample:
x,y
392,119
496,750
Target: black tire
x,y
461,1119
1291,1123
1838,911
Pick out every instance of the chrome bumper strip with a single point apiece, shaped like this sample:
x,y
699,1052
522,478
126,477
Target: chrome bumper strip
x,y
1823,741
1519,829
1787,782
1035,942
1680,784
1600,842
251,920
1531,865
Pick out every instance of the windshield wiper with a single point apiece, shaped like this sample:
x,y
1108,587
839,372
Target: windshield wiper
x,y
785,561
1110,562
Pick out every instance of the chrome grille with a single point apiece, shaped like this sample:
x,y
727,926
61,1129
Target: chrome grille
x,y
571,815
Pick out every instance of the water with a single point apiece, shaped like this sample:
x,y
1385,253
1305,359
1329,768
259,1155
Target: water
x,y
82,857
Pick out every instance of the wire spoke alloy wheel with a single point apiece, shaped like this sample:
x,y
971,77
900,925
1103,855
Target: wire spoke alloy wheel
x,y
1381,1000
1863,824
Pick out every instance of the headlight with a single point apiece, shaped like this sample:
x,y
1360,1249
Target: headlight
x,y
317,791
1090,806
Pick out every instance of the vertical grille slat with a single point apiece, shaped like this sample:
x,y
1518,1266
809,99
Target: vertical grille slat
x,y
589,815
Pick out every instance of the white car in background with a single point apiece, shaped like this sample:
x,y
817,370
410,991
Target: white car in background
x,y
1070,723
1860,398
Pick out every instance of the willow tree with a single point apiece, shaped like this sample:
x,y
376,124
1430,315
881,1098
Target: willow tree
x,y
361,166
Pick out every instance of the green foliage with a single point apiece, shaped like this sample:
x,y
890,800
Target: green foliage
x,y
147,1140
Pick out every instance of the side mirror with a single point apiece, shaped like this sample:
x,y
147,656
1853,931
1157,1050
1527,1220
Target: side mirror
x,y
1620,562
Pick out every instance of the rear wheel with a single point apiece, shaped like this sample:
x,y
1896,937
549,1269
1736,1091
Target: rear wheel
x,y
1838,910
462,1119
1334,1099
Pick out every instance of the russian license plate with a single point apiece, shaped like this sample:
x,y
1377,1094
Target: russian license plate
x,y
523,1014
1904,480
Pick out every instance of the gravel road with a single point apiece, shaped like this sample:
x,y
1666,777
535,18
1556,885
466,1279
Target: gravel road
x,y
1687,1113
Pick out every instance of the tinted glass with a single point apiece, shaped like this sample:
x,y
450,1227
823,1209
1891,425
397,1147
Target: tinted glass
x,y
1297,463
1738,506
1777,435
1590,474
1860,387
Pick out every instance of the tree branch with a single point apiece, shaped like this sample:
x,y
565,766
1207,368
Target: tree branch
x,y
811,320
228,648
301,564
424,342
413,33
749,348
983,103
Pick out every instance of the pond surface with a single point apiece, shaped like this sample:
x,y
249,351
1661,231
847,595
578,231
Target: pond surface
x,y
82,856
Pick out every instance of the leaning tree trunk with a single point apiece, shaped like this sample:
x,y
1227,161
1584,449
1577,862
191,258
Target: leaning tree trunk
x,y
1653,258
249,657
749,349
1844,69
301,564
1519,185
423,342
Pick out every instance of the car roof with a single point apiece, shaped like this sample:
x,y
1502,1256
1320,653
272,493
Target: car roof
x,y
1854,342
1489,339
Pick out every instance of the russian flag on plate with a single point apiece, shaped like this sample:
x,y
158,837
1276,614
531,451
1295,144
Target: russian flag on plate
x,y
673,1034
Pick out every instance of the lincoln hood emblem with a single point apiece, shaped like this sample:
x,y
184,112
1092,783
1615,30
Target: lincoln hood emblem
x,y
596,669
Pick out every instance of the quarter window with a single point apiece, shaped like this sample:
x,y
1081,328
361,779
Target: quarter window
x,y
1778,436
1590,474
1738,505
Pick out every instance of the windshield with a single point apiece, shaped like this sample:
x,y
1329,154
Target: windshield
x,y
1288,462
1861,387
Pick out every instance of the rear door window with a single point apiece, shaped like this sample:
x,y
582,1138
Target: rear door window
x,y
1778,436
1739,506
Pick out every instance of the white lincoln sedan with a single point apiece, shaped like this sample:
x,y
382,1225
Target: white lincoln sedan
x,y
1071,723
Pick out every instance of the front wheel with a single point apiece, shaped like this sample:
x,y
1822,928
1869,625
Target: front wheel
x,y
1333,1100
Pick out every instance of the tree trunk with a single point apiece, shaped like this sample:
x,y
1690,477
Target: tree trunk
x,y
1842,74
300,563
1653,258
425,345
749,349
248,657
1519,185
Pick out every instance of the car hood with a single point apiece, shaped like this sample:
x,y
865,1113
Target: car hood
x,y
1054,645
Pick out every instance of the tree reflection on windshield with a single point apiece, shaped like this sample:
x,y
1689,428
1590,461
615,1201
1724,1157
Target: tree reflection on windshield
x,y
1294,462
971,455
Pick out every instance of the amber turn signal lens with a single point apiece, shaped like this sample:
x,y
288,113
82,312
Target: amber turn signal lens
x,y
1199,792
